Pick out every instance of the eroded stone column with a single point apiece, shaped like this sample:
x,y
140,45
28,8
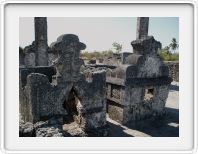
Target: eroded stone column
x,y
142,27
40,24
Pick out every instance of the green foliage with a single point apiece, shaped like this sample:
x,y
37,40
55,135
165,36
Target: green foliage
x,y
86,55
174,44
96,54
107,53
165,55
117,47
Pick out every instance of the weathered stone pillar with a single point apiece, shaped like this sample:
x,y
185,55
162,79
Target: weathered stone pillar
x,y
141,35
142,27
40,24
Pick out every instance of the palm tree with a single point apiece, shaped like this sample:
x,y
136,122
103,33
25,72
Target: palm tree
x,y
174,44
167,48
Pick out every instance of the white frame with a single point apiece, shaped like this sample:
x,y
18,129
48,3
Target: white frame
x,y
194,3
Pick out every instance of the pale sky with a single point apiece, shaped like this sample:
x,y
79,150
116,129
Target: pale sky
x,y
98,33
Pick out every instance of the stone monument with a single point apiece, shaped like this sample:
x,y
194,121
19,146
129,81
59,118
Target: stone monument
x,y
138,88
36,54
142,27
41,41
78,95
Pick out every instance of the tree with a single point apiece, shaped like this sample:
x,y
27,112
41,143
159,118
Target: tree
x,y
167,49
167,56
117,47
174,44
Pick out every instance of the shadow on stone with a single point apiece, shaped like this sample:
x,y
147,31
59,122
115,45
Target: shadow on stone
x,y
165,126
116,130
174,88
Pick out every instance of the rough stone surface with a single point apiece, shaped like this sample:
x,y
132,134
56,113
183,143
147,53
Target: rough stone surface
x,y
49,132
146,45
26,129
142,27
124,55
70,98
29,59
114,60
49,128
24,72
141,89
41,41
138,89
51,58
38,53
68,64
92,61
72,93
173,70
73,130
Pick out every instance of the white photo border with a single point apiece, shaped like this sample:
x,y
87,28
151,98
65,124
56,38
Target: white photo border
x,y
191,2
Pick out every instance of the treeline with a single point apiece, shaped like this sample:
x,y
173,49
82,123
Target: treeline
x,y
96,54
168,56
163,53
116,48
169,52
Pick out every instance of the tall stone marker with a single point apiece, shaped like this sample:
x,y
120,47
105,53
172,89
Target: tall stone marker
x,y
142,27
40,24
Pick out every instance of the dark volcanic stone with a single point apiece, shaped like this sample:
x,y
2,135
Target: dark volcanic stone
x,y
26,129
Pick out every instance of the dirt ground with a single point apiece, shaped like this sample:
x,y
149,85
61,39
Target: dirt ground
x,y
167,126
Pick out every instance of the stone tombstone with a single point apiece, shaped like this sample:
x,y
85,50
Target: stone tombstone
x,y
142,27
77,94
40,24
148,45
138,89
124,55
68,62
29,58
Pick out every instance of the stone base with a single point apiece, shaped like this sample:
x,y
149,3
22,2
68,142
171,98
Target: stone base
x,y
50,128
126,115
26,129
115,111
53,128
73,130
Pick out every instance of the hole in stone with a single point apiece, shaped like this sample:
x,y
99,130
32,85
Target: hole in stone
x,y
148,94
70,105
